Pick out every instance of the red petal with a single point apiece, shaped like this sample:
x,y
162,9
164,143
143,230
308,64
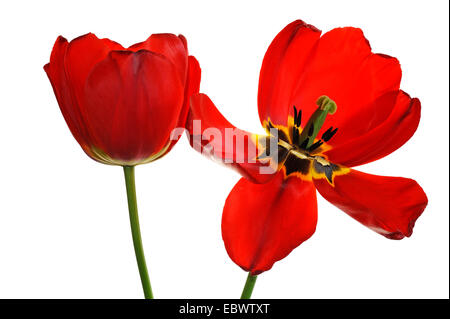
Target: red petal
x,y
172,47
192,87
344,68
83,53
61,87
388,205
382,140
282,68
263,223
133,101
212,135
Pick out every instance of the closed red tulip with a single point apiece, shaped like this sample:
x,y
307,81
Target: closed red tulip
x,y
121,104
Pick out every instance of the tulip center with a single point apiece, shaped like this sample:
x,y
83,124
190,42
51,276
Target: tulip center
x,y
296,149
305,139
299,156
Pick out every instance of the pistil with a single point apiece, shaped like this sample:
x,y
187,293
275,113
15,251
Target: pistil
x,y
306,139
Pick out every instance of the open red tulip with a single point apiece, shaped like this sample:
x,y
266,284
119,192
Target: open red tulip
x,y
355,113
121,104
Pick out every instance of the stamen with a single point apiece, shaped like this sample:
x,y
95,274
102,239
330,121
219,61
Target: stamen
x,y
315,145
295,135
295,115
304,145
327,132
329,135
311,130
298,122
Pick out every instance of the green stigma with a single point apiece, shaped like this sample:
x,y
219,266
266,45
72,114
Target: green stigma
x,y
326,104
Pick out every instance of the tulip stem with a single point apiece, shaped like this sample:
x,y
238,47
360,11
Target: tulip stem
x,y
135,230
249,285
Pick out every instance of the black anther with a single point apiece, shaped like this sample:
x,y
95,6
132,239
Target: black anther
x,y
295,135
298,122
327,132
329,135
295,114
305,143
311,130
315,145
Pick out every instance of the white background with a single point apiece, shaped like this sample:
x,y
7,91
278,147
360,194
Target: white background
x,y
64,228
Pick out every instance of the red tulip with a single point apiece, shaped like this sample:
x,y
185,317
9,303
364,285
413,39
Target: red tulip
x,y
120,104
303,76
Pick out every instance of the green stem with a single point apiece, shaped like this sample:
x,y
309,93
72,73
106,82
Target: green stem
x,y
135,230
249,285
